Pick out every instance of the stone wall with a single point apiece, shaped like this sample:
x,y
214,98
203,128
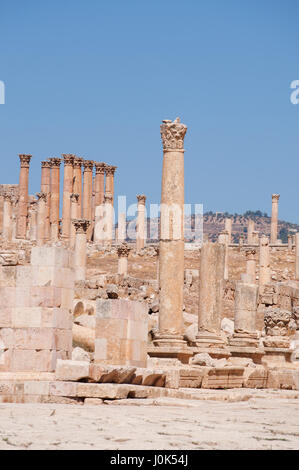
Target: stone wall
x,y
36,303
121,333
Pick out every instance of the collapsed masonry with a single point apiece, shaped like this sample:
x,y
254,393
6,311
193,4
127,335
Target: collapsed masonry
x,y
46,292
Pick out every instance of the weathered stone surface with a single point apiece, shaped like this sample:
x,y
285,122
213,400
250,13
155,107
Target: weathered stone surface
x,y
72,370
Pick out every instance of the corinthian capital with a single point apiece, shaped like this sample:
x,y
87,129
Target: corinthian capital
x,y
173,134
55,162
25,160
77,163
110,169
88,165
275,197
141,198
100,168
81,225
68,159
46,164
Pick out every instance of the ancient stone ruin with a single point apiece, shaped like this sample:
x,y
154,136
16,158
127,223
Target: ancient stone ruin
x,y
87,313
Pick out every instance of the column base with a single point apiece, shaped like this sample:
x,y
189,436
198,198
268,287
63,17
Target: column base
x,y
277,356
212,344
206,339
169,341
244,340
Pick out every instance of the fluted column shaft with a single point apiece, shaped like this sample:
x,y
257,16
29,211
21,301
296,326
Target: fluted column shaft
x,y
23,196
55,197
7,217
264,274
109,188
77,164
140,236
171,265
46,188
67,191
274,218
41,217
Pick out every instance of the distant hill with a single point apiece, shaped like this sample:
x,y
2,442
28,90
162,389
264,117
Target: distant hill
x,y
213,224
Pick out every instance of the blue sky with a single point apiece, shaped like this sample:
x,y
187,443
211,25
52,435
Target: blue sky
x,y
96,78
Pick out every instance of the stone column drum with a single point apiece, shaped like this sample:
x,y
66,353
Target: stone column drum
x,y
171,257
264,274
274,218
87,193
23,196
250,230
140,235
75,214
55,199
99,183
77,186
33,221
290,243
228,229
251,266
246,299
46,188
223,239
123,253
81,226
41,217
211,276
109,189
7,216
122,227
297,256
67,191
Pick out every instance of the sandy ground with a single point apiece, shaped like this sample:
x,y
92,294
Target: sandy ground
x,y
259,423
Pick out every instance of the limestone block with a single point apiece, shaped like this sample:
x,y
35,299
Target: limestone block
x,y
50,256
5,317
104,391
226,377
8,276
71,370
26,317
79,354
255,377
191,377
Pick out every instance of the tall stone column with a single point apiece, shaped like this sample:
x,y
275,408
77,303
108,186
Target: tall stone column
x,y
104,221
7,217
274,218
250,266
23,196
77,174
290,243
140,235
246,299
223,239
228,229
87,193
241,240
122,227
123,253
211,276
33,221
55,197
41,217
264,275
171,257
67,191
74,216
255,237
99,183
250,230
46,188
157,250
81,226
297,256
109,189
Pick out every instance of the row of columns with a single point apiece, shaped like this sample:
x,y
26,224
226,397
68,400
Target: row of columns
x,y
252,235
89,196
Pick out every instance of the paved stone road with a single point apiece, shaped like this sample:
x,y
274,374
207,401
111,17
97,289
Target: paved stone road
x,y
258,423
